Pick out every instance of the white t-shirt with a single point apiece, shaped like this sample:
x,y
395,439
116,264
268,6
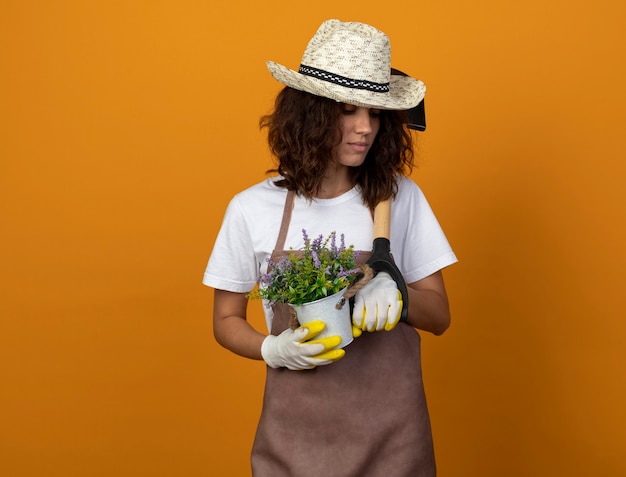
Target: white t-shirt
x,y
253,217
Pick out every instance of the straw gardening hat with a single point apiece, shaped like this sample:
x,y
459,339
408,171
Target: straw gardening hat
x,y
350,62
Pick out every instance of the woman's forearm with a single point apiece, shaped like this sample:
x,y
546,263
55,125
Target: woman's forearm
x,y
230,327
428,304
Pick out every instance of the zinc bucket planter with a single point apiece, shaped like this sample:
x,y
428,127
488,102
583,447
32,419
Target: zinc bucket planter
x,y
338,320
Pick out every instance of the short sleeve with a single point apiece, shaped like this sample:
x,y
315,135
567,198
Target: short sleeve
x,y
233,265
418,242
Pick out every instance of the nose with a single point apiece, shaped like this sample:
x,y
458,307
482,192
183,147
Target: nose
x,y
363,121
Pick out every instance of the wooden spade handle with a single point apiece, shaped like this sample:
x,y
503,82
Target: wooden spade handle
x,y
382,219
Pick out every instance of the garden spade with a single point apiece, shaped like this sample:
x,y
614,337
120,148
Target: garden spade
x,y
381,260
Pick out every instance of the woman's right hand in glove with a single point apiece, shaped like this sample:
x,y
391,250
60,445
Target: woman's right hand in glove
x,y
294,349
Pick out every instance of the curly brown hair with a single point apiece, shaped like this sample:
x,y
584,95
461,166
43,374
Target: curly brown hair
x,y
303,131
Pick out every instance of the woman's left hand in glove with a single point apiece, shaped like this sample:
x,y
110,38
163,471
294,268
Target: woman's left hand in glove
x,y
377,306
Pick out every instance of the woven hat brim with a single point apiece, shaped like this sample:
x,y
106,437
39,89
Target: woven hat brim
x,y
404,92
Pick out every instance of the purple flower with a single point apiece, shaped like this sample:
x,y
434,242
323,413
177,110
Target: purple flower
x,y
317,243
316,259
333,244
346,273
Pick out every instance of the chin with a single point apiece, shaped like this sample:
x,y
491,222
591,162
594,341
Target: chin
x,y
354,162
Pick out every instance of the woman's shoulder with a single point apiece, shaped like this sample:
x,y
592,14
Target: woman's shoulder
x,y
408,188
264,190
260,197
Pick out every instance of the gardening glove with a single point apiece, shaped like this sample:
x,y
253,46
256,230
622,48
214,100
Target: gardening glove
x,y
377,306
294,349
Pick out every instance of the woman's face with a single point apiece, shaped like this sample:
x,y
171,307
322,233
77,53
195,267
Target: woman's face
x,y
358,127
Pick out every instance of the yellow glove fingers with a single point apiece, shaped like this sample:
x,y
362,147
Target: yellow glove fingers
x,y
328,343
327,357
358,315
331,355
391,323
356,331
365,316
314,328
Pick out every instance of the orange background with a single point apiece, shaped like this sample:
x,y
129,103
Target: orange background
x,y
127,126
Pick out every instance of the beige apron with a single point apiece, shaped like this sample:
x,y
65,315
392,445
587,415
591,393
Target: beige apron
x,y
362,416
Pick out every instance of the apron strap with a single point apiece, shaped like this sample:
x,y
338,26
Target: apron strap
x,y
284,226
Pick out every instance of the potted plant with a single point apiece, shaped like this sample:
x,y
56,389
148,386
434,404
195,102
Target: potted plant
x,y
312,281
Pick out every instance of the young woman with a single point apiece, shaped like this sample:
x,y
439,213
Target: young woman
x,y
338,133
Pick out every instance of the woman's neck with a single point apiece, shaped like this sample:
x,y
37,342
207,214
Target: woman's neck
x,y
337,180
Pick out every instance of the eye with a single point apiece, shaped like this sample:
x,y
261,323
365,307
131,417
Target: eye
x,y
375,113
348,109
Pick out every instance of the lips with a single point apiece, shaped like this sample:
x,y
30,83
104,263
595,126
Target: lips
x,y
359,146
